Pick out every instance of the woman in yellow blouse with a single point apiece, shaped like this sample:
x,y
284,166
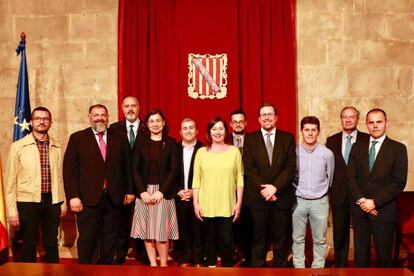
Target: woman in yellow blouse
x,y
218,191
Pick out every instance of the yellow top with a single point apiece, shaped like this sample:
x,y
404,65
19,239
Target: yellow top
x,y
216,175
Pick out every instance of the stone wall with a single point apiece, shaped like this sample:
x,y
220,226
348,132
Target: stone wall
x,y
357,52
352,52
72,60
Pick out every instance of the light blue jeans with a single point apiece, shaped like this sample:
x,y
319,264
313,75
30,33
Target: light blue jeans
x,y
316,211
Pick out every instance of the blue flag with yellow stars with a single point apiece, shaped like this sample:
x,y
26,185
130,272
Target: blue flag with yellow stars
x,y
22,111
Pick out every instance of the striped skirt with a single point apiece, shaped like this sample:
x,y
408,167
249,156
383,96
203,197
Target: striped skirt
x,y
156,221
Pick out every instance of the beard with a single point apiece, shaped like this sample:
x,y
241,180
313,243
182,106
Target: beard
x,y
99,127
241,132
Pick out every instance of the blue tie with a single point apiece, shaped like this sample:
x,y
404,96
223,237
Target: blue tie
x,y
348,147
372,155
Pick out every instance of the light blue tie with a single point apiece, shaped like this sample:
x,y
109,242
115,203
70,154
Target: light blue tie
x,y
348,147
372,155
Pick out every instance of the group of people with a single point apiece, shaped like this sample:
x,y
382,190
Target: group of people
x,y
251,191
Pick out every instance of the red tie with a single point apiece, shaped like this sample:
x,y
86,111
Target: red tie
x,y
102,147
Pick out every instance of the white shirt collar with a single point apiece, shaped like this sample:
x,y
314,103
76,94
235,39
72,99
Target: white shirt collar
x,y
379,140
135,124
273,131
353,134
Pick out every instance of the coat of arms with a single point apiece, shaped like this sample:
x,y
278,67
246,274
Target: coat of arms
x,y
207,76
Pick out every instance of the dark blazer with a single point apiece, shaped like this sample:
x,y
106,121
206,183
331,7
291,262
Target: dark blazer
x,y
121,127
383,184
258,170
339,189
168,166
84,169
180,175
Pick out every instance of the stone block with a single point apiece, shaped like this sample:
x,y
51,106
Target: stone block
x,y
101,54
63,53
324,82
91,82
402,52
312,52
326,5
387,6
404,80
371,82
8,82
64,7
8,57
365,27
6,30
26,8
94,27
43,28
5,8
343,52
401,26
314,25
95,6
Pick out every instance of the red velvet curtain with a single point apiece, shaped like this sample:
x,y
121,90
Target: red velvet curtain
x,y
258,36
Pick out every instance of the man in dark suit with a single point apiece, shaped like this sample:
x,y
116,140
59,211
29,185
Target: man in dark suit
x,y
130,129
269,160
189,226
376,174
242,227
340,144
97,179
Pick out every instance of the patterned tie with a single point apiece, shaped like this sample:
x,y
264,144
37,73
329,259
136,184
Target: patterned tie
x,y
102,147
348,147
131,136
269,147
372,155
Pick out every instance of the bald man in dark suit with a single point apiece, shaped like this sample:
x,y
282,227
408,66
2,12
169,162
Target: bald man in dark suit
x,y
376,174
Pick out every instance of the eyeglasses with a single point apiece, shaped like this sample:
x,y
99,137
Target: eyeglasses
x,y
267,115
39,119
238,122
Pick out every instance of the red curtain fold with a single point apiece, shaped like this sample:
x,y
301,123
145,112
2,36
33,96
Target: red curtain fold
x,y
156,36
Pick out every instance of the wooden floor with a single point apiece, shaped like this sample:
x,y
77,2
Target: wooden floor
x,y
22,269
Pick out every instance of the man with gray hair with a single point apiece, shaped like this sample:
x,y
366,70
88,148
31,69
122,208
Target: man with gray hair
x,y
340,144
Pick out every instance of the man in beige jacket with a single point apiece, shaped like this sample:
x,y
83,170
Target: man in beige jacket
x,y
34,187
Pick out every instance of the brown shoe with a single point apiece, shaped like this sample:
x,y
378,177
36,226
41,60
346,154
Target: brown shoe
x,y
185,265
198,265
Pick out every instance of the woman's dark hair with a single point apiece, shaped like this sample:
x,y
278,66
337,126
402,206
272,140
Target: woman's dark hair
x,y
210,125
146,130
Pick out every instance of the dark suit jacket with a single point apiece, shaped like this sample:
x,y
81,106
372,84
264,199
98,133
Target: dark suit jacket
x,y
383,184
258,170
84,169
121,127
168,166
339,189
180,175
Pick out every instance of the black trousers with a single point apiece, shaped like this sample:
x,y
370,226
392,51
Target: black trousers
x,y
218,233
273,222
124,229
243,233
46,214
383,234
98,229
341,219
190,229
